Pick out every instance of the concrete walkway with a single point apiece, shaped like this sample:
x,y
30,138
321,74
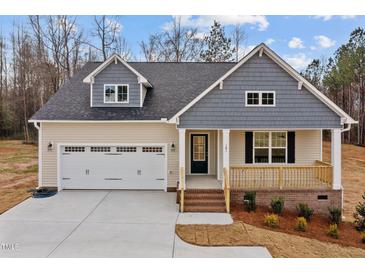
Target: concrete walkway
x,y
106,224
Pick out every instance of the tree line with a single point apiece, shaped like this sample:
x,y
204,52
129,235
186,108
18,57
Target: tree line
x,y
341,77
40,54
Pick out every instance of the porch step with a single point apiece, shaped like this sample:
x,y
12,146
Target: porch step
x,y
204,200
204,209
203,196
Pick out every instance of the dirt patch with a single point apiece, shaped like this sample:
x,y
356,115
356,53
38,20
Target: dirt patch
x,y
317,227
353,174
215,235
11,196
18,172
280,245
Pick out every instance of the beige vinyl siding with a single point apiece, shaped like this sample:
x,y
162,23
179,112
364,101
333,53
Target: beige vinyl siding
x,y
212,155
104,133
237,147
307,146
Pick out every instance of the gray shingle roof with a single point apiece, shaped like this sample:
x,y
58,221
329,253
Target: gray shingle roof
x,y
174,86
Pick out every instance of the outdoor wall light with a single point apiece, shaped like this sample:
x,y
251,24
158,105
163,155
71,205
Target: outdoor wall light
x,y
50,146
173,147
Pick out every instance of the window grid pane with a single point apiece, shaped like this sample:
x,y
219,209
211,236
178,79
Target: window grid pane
x,y
261,139
278,155
109,93
270,147
261,155
278,139
267,98
198,148
252,98
122,93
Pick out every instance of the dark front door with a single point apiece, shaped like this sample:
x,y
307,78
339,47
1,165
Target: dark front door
x,y
199,153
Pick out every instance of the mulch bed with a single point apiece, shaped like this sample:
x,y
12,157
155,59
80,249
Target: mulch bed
x,y
317,227
215,235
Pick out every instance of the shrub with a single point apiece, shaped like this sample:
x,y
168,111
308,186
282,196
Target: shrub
x,y
249,201
277,205
301,224
362,235
359,215
272,220
304,211
335,214
333,231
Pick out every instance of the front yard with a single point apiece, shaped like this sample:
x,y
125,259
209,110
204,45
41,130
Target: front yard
x,y
18,172
353,174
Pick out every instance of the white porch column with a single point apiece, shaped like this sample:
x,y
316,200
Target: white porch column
x,y
225,143
219,170
336,157
181,153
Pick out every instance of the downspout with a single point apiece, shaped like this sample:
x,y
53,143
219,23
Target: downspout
x,y
39,128
347,128
36,125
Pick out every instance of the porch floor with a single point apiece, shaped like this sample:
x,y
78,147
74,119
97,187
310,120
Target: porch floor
x,y
203,182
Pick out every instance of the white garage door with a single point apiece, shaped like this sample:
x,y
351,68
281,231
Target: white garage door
x,y
113,167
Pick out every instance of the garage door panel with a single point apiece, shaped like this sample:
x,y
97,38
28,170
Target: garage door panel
x,y
114,167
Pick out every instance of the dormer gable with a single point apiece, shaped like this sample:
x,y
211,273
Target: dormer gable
x,y
114,83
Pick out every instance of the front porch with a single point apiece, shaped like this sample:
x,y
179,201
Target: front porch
x,y
229,170
203,182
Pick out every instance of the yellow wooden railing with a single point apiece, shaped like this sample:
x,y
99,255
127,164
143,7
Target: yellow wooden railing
x,y
182,188
227,191
318,176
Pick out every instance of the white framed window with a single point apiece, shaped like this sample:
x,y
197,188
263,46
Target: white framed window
x,y
270,147
116,93
260,98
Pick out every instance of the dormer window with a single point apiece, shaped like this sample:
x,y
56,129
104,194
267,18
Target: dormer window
x,y
260,98
116,93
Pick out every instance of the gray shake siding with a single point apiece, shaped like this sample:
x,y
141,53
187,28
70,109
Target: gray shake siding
x,y
226,108
116,74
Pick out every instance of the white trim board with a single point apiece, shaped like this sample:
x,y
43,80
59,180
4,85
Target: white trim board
x,y
116,94
114,58
162,121
277,59
189,151
260,92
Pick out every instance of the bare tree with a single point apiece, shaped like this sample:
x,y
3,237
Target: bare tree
x,y
123,49
238,37
175,44
107,31
180,43
150,48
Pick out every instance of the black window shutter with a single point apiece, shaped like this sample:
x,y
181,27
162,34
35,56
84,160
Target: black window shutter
x,y
291,147
249,147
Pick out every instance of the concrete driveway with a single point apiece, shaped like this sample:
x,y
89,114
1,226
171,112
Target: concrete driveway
x,y
102,224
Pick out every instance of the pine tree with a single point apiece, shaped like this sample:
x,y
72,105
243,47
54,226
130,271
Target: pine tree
x,y
218,45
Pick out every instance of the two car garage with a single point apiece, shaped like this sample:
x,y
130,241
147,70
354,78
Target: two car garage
x,y
112,167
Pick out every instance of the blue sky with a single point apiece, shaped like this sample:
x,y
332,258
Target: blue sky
x,y
298,39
